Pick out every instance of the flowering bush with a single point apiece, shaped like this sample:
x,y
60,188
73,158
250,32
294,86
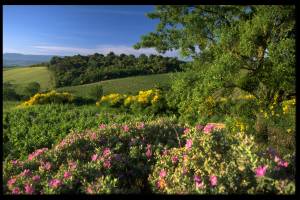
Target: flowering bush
x,y
50,97
217,161
149,100
157,156
114,100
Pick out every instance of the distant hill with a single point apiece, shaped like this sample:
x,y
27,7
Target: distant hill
x,y
17,59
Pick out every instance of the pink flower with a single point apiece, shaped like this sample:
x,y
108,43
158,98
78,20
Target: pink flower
x,y
94,157
184,171
213,180
106,152
36,178
54,183
89,190
186,131
261,171
199,127
93,136
47,166
189,143
277,159
198,181
29,189
11,182
174,159
165,152
283,163
125,128
67,175
72,165
102,126
36,153
162,173
141,125
26,172
148,153
107,164
14,162
208,128
16,190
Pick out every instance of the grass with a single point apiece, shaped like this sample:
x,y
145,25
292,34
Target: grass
x,y
123,85
24,75
9,105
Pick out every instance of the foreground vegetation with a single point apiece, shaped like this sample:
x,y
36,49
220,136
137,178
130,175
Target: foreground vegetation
x,y
226,125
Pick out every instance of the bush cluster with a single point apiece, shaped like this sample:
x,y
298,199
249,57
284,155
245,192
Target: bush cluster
x,y
156,157
50,97
150,100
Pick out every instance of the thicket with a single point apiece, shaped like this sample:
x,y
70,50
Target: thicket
x,y
77,70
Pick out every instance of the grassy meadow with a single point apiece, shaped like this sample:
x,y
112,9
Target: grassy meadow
x,y
24,75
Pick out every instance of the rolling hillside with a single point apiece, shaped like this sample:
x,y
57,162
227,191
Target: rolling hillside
x,y
122,85
24,75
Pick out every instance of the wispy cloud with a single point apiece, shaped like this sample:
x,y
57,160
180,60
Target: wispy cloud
x,y
102,49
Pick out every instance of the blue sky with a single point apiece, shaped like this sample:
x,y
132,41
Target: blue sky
x,y
69,30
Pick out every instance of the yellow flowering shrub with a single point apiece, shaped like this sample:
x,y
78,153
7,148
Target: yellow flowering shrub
x,y
50,97
113,99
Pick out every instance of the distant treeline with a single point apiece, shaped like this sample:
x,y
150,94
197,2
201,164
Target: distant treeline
x,y
78,69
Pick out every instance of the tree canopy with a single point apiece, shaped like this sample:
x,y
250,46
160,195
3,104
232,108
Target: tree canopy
x,y
247,47
78,69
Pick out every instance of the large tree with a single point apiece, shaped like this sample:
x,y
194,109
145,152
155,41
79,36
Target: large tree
x,y
247,47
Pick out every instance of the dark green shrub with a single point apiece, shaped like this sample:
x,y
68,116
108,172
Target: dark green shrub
x,y
9,92
31,89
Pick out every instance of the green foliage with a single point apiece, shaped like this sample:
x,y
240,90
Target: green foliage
x,y
77,70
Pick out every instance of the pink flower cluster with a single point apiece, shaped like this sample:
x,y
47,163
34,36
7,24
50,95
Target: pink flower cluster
x,y
29,189
125,128
140,125
213,180
261,171
199,127
208,128
55,183
162,173
102,126
174,159
199,183
67,175
46,165
36,153
26,172
280,162
36,178
148,152
189,143
186,130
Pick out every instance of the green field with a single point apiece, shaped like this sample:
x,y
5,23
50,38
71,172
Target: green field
x,y
23,75
122,85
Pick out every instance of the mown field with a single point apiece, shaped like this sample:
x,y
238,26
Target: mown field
x,y
24,75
